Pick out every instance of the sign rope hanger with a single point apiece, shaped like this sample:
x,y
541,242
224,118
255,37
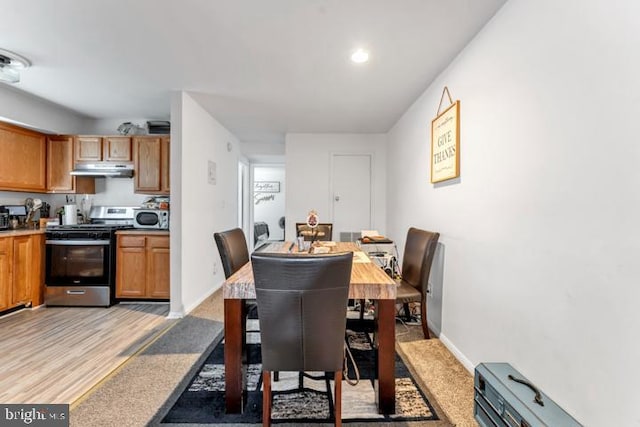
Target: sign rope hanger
x,y
445,90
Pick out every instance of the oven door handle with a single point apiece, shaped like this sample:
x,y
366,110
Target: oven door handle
x,y
78,242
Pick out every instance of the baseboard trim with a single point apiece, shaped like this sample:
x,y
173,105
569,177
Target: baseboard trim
x,y
457,353
201,300
175,315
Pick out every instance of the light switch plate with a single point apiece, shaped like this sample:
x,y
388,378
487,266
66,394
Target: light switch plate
x,y
211,175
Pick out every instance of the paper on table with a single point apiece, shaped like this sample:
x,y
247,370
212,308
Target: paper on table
x,y
321,250
360,257
327,244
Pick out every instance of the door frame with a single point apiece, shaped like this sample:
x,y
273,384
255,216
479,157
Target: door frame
x,y
251,195
371,155
244,181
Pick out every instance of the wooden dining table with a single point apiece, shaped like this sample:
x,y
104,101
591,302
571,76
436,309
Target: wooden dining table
x,y
368,281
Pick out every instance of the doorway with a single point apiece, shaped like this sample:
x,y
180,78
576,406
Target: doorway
x,y
351,194
268,203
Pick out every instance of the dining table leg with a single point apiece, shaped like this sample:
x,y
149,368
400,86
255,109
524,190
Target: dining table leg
x,y
233,347
386,339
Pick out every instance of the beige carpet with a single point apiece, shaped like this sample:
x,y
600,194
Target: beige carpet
x,y
446,379
143,390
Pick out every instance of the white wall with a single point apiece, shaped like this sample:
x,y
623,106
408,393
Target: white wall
x,y
308,166
109,192
540,235
36,113
203,208
270,207
257,152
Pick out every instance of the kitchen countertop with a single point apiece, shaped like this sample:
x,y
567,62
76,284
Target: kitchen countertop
x,y
21,232
145,231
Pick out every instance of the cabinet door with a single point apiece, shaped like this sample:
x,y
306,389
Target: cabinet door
x,y
37,270
6,247
22,270
165,157
59,164
116,149
88,149
131,267
146,159
22,159
158,267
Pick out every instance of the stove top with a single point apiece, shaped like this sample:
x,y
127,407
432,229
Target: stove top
x,y
103,218
89,227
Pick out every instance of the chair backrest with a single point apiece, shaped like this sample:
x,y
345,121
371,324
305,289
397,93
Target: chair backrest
x,y
301,307
324,231
232,246
418,257
260,232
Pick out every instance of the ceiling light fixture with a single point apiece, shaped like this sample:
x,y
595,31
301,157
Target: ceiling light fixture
x,y
10,66
360,56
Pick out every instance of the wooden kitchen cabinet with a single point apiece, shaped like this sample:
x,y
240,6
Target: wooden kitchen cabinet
x,y
23,159
151,161
116,149
158,261
60,164
88,149
142,266
103,149
6,281
21,270
164,166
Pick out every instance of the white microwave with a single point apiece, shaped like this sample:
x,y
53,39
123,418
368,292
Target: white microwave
x,y
151,218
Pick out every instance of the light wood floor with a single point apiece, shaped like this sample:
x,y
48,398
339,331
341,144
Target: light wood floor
x,y
55,355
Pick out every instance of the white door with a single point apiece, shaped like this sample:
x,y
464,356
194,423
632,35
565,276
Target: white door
x,y
351,187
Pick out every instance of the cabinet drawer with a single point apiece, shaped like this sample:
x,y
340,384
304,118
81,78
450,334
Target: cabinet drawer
x,y
158,242
131,241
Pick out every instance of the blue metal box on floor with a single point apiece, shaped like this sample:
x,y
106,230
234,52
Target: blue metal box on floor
x,y
503,397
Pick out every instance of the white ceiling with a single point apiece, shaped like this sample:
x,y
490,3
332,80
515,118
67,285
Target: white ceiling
x,y
261,67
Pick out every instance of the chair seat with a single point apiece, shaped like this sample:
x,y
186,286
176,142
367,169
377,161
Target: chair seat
x,y
406,293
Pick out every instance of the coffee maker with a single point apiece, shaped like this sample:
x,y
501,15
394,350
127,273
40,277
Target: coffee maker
x,y
4,218
17,213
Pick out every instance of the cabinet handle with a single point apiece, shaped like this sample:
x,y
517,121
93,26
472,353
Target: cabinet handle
x,y
538,397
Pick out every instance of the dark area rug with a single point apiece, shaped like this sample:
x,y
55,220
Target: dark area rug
x,y
300,398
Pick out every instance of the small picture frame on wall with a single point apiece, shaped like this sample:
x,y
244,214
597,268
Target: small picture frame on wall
x,y
445,144
266,187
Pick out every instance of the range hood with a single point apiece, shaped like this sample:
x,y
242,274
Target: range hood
x,y
112,170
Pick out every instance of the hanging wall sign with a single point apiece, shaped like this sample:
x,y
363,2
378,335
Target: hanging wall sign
x,y
445,142
266,187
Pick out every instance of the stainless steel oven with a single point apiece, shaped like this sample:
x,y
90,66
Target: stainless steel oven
x,y
80,268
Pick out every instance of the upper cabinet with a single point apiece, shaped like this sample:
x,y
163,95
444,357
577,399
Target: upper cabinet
x,y
116,149
151,163
35,162
22,163
88,149
60,164
102,149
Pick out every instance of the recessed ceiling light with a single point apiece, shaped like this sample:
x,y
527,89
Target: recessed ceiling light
x,y
10,66
360,56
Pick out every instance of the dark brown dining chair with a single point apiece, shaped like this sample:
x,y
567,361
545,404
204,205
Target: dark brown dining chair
x,y
234,253
301,307
416,266
324,231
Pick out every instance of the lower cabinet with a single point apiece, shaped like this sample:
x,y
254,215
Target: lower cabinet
x,y
142,266
21,270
